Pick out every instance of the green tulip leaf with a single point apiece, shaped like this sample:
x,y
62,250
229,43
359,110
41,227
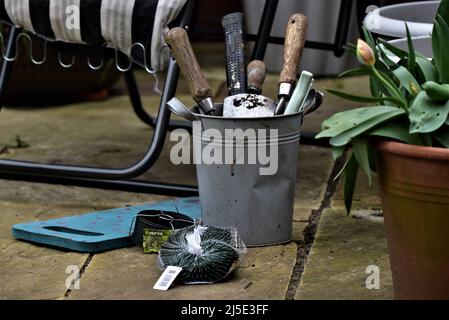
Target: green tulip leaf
x,y
355,72
350,173
375,87
411,58
401,54
389,87
426,138
356,98
427,115
346,136
360,147
427,69
440,38
443,10
372,157
442,136
370,41
436,46
387,57
343,121
337,152
351,48
406,80
386,61
436,92
396,130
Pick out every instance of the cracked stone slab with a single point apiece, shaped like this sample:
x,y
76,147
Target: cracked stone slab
x,y
34,272
29,271
315,167
33,201
298,231
128,274
343,249
112,136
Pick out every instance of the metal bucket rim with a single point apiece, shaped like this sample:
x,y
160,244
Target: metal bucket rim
x,y
194,110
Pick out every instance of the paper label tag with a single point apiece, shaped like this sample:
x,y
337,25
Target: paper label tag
x,y
154,239
166,279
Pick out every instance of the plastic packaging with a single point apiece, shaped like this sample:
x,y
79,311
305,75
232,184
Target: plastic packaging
x,y
206,254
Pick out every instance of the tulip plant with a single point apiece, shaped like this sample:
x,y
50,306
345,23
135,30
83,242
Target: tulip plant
x,y
411,97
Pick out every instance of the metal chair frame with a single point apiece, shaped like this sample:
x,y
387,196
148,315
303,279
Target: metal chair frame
x,y
122,179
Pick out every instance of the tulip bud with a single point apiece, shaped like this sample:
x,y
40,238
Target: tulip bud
x,y
365,54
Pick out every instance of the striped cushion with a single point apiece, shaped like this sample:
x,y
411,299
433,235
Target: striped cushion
x,y
121,23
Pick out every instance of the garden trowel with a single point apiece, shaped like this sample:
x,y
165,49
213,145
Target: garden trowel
x,y
295,38
243,100
199,88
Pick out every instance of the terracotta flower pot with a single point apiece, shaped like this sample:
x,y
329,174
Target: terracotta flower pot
x,y
414,183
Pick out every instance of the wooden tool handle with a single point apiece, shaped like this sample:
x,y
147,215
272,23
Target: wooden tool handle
x,y
257,72
295,38
179,42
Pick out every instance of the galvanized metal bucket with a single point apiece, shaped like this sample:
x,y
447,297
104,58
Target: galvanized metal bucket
x,y
233,194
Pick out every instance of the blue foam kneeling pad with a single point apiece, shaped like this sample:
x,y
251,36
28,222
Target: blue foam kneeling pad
x,y
97,231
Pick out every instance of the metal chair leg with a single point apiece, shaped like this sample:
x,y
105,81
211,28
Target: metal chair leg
x,y
134,96
265,26
100,177
104,177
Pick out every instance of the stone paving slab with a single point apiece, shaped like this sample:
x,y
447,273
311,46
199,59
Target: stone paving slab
x,y
112,136
129,274
29,271
33,272
345,246
107,133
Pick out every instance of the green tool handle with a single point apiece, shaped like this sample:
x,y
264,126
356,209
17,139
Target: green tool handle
x,y
300,93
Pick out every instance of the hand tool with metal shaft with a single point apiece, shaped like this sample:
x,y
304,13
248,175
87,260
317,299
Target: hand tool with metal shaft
x,y
295,38
299,95
199,88
239,103
233,25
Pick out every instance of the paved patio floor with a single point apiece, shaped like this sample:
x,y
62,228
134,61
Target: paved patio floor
x,y
327,258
